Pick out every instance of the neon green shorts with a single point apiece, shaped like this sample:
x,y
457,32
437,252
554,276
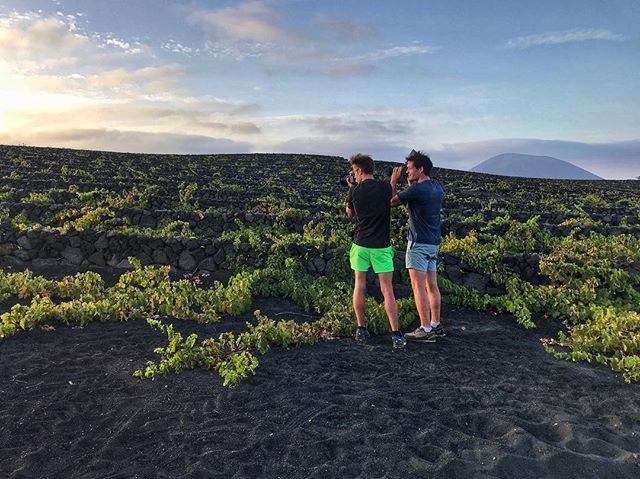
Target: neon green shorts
x,y
361,258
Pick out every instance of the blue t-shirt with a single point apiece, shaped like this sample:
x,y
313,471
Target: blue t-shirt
x,y
424,202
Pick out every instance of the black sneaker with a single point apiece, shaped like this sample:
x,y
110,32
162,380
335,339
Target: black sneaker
x,y
362,335
438,331
398,341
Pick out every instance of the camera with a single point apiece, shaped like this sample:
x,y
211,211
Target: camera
x,y
348,180
403,173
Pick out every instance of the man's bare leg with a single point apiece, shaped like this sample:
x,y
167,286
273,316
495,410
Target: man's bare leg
x,y
359,293
419,287
390,305
433,296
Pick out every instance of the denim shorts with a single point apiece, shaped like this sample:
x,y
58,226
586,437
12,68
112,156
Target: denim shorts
x,y
422,257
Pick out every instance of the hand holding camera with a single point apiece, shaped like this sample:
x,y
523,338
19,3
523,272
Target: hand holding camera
x,y
396,173
349,180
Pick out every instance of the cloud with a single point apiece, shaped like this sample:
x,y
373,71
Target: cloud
x,y
241,128
255,30
175,47
172,116
569,36
129,47
613,160
344,29
366,63
356,125
365,127
151,79
384,134
393,52
115,84
31,43
63,86
381,151
252,22
128,141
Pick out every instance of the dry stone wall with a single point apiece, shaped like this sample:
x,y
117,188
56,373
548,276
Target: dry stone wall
x,y
110,249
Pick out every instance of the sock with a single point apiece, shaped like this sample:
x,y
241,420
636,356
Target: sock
x,y
435,325
396,333
426,330
362,327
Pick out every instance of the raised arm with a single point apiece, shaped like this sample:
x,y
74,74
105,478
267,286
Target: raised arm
x,y
349,203
395,176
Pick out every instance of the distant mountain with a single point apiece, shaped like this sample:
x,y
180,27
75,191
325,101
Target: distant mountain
x,y
530,166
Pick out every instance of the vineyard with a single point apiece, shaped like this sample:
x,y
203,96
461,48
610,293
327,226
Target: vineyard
x,y
120,271
559,249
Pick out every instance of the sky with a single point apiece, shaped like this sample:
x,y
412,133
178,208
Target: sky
x,y
460,80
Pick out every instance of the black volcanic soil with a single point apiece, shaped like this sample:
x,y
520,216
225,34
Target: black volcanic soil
x,y
486,401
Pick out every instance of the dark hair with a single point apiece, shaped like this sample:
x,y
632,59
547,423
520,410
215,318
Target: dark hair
x,y
364,162
420,160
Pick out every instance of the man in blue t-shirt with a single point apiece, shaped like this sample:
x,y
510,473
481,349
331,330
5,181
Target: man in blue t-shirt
x,y
423,198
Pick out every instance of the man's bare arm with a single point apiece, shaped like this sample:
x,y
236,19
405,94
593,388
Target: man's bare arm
x,y
349,212
395,176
